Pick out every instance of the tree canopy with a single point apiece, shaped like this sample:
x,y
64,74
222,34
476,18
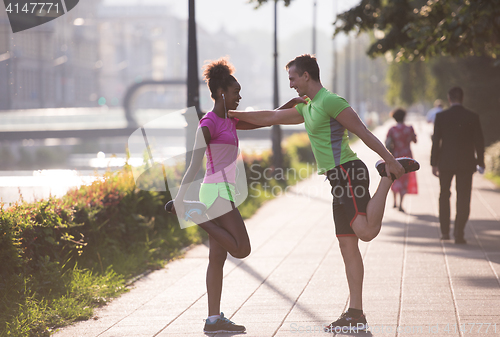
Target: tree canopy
x,y
419,29
260,2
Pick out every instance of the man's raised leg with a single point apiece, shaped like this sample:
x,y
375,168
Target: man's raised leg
x,y
368,226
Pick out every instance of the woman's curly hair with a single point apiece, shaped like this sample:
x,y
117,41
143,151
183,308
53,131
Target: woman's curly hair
x,y
218,74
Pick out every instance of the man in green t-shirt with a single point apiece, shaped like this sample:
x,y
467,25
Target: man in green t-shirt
x,y
328,118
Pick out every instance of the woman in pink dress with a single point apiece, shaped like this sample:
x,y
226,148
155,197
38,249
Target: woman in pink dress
x,y
400,137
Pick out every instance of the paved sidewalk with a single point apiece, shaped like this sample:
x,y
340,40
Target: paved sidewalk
x,y
293,282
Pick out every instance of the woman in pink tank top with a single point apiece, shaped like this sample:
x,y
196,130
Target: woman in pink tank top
x,y
225,226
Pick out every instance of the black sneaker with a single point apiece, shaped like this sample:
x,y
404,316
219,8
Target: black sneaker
x,y
190,207
347,324
169,207
222,324
409,164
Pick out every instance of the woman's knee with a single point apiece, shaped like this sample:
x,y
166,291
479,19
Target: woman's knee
x,y
243,251
217,257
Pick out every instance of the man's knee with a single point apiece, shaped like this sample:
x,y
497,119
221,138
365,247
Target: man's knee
x,y
364,230
444,190
445,194
367,237
348,243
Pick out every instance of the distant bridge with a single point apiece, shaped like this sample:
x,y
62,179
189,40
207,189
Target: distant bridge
x,y
132,125
87,133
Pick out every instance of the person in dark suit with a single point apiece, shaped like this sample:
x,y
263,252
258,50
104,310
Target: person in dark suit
x,y
457,149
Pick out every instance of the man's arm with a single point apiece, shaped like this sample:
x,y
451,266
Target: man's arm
x,y
479,142
350,120
436,145
428,117
285,114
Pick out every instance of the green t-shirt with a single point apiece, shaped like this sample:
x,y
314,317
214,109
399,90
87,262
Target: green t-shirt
x,y
329,139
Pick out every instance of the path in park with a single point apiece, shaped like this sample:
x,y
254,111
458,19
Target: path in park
x,y
293,282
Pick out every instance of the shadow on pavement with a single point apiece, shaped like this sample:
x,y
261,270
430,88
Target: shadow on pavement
x,y
227,334
487,231
492,190
295,304
481,282
426,218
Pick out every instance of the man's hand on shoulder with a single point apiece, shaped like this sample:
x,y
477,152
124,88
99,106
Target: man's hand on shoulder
x,y
300,99
233,113
293,102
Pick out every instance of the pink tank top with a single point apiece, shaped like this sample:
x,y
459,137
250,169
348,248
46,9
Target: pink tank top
x,y
222,151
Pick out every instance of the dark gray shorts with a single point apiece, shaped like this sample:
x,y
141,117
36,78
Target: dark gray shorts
x,y
350,182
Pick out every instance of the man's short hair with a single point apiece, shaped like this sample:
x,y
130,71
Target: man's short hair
x,y
456,94
304,63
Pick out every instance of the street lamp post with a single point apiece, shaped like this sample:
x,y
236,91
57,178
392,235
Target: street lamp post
x,y
335,54
193,83
276,129
314,29
193,94
193,98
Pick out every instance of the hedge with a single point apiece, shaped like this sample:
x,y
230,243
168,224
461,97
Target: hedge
x,y
492,158
492,162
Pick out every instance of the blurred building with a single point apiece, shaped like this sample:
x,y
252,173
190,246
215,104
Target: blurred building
x,y
90,57
52,65
147,42
140,42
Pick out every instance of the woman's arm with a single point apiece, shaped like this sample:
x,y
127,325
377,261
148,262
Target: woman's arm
x,y
203,138
285,114
242,125
269,117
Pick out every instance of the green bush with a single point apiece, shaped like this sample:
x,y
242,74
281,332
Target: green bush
x,y
492,162
492,159
108,231
298,148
